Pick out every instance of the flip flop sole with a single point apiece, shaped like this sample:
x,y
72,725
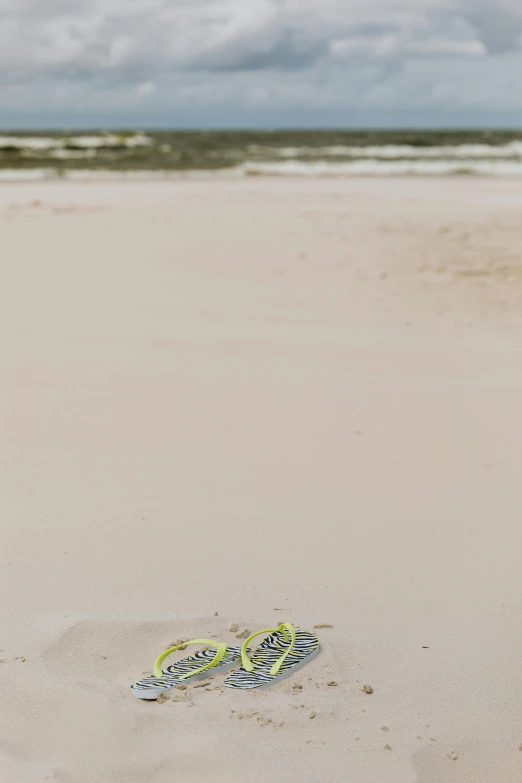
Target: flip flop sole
x,y
150,693
278,678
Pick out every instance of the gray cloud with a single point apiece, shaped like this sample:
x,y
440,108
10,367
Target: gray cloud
x,y
498,25
281,50
113,55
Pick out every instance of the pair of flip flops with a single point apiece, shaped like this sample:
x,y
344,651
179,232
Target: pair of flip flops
x,y
282,652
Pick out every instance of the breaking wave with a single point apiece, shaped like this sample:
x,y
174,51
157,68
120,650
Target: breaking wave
x,y
29,156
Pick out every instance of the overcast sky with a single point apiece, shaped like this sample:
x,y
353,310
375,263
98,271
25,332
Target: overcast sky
x,y
236,63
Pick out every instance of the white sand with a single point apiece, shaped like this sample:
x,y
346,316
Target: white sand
x,y
240,396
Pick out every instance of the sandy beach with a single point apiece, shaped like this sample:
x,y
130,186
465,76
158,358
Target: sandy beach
x,y
250,401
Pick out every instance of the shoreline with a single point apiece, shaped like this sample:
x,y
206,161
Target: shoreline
x,y
32,176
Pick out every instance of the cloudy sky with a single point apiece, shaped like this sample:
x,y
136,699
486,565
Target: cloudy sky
x,y
237,63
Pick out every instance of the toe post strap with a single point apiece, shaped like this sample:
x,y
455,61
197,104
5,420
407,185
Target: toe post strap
x,y
288,631
221,649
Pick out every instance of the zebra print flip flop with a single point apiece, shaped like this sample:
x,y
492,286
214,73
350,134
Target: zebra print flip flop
x,y
277,657
195,667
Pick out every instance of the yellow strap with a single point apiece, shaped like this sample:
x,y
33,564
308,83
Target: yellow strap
x,y
221,649
288,632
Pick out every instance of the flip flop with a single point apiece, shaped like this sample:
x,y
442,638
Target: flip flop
x,y
195,667
277,657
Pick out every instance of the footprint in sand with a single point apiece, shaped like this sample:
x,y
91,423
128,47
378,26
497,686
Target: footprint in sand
x,y
109,656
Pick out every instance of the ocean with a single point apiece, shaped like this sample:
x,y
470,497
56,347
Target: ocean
x,y
95,154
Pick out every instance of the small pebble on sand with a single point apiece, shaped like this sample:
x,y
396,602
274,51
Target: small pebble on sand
x,y
216,614
331,683
2,660
387,747
323,625
312,715
367,689
297,687
384,728
234,628
181,687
